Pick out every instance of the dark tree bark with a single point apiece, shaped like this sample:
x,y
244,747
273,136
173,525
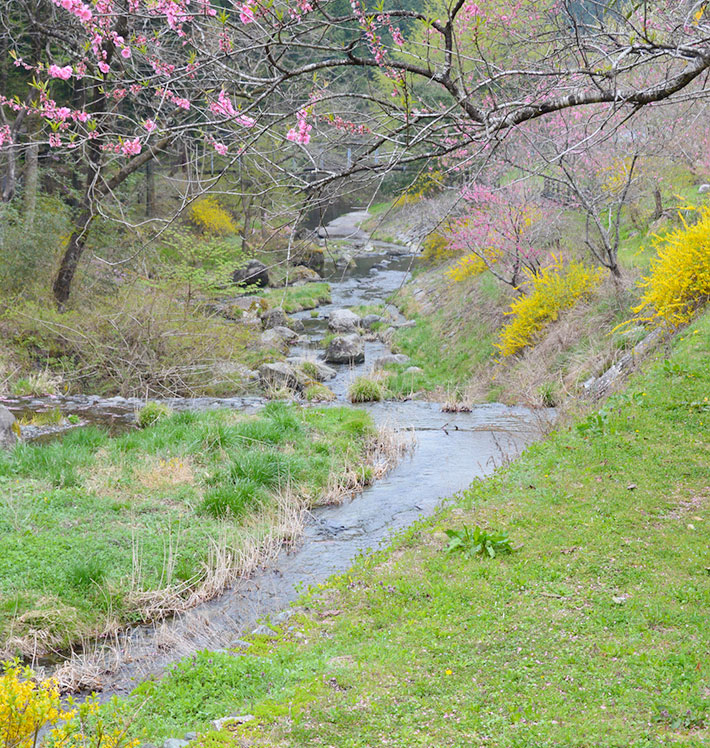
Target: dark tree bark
x,y
77,240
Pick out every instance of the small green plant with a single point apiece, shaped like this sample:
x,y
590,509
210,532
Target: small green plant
x,y
673,369
596,424
548,394
37,384
478,542
51,417
152,412
364,390
309,369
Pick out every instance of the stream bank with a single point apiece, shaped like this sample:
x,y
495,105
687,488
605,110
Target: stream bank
x,y
451,449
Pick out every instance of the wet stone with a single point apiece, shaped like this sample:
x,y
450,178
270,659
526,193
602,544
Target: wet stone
x,y
391,358
345,349
175,743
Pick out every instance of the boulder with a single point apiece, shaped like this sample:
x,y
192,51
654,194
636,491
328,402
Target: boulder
x,y
311,256
388,359
280,374
704,188
175,743
8,429
343,320
345,349
344,262
302,274
369,320
235,719
313,369
285,333
272,339
232,369
254,273
274,318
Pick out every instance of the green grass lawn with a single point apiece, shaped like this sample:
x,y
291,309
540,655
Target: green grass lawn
x,y
92,526
593,633
297,298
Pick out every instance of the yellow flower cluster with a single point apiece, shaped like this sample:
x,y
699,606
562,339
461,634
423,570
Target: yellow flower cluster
x,y
25,707
471,265
556,287
614,176
436,248
427,183
679,278
28,706
212,218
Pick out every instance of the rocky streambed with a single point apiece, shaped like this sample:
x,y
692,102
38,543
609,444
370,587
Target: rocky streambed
x,y
450,450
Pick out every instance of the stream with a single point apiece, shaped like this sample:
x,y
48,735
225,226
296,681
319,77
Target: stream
x,y
450,450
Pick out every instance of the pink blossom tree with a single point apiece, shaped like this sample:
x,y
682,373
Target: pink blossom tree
x,y
112,83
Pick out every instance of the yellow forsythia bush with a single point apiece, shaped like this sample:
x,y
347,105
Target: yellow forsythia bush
x,y
26,707
554,288
679,278
212,218
436,248
471,265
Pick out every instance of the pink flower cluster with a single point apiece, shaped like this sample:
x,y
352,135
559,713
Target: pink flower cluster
x,y
179,101
77,8
5,135
246,11
224,107
302,132
56,72
345,125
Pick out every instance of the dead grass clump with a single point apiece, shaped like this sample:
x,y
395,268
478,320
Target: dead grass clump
x,y
382,453
232,556
162,473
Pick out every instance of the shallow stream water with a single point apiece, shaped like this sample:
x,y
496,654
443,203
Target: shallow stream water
x,y
450,450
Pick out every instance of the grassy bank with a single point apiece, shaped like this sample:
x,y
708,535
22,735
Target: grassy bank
x,y
96,531
297,298
593,632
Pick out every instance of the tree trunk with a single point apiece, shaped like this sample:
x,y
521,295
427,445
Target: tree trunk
x,y
10,178
149,189
31,177
70,260
77,240
658,212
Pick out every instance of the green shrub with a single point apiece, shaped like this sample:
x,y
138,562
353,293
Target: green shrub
x,y
364,390
151,413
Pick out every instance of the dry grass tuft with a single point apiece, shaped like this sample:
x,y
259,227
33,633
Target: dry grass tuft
x,y
161,473
383,452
